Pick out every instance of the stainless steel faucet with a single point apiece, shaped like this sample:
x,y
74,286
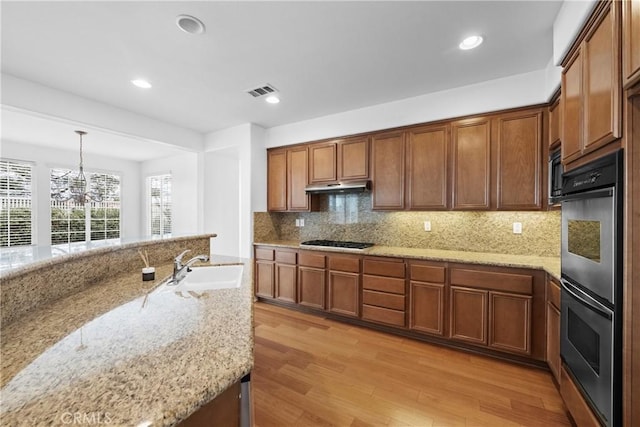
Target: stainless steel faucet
x,y
180,270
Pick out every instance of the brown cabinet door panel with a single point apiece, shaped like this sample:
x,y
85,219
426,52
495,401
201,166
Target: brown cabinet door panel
x,y
571,109
500,281
428,168
265,279
311,287
311,259
394,268
471,164
553,293
383,299
553,340
602,82
468,313
344,292
277,180
630,42
298,199
554,124
383,284
285,257
427,307
383,315
510,322
286,282
266,254
353,158
344,263
322,162
387,163
519,162
427,273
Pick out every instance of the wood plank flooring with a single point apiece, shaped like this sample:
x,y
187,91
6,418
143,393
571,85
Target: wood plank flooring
x,y
311,371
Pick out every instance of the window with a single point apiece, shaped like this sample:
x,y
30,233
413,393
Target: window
x,y
93,221
159,190
15,203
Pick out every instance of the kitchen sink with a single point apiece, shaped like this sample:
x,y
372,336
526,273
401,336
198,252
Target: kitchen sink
x,y
209,278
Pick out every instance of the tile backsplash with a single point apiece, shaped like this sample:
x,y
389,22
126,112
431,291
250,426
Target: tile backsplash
x,y
349,217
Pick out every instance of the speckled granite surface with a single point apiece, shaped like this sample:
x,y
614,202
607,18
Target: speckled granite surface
x,y
550,264
349,217
33,285
126,352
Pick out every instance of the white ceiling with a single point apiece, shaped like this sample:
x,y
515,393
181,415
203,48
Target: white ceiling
x,y
324,57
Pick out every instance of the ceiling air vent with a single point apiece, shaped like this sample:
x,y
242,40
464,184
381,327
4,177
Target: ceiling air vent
x,y
264,90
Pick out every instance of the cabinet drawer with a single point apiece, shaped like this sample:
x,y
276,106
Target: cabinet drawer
x,y
265,254
553,292
308,259
508,282
383,268
383,299
343,263
286,257
383,315
427,273
383,284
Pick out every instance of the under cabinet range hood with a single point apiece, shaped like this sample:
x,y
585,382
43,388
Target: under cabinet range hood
x,y
339,187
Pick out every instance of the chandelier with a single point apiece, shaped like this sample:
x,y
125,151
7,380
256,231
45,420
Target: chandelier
x,y
72,187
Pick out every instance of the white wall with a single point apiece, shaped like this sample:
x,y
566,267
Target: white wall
x,y
46,158
509,92
185,192
567,25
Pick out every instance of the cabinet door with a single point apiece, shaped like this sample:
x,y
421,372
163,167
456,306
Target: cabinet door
x,y
427,167
344,293
630,42
553,340
387,162
510,322
427,307
554,124
277,180
297,163
353,158
602,81
322,163
468,315
286,282
571,105
519,161
265,279
471,164
311,287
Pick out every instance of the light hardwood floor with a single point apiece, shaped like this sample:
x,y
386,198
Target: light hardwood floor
x,y
310,371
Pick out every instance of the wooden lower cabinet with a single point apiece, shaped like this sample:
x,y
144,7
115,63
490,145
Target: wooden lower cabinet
x,y
265,279
553,328
469,315
224,410
286,282
575,403
510,322
344,293
427,307
311,287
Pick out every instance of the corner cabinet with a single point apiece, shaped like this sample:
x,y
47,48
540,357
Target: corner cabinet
x,y
287,179
591,85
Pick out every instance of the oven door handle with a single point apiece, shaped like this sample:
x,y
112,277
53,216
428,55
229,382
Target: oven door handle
x,y
575,292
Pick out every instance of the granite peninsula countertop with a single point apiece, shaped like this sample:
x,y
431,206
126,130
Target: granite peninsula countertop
x,y
549,264
127,352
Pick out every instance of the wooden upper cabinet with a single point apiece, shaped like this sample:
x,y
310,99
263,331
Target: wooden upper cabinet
x,y
571,109
277,180
471,164
298,199
353,158
602,80
387,164
630,42
519,160
554,124
591,99
428,167
322,162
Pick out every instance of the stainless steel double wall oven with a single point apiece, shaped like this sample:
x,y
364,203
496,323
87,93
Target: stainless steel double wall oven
x,y
591,314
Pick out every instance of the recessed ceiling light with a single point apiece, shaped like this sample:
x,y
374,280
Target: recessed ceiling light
x,y
272,99
141,83
470,42
190,24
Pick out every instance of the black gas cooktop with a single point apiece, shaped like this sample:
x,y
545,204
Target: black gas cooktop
x,y
337,244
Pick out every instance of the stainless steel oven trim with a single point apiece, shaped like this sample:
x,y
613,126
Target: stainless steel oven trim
x,y
586,300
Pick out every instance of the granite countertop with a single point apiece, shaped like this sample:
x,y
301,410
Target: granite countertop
x,y
127,352
549,264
